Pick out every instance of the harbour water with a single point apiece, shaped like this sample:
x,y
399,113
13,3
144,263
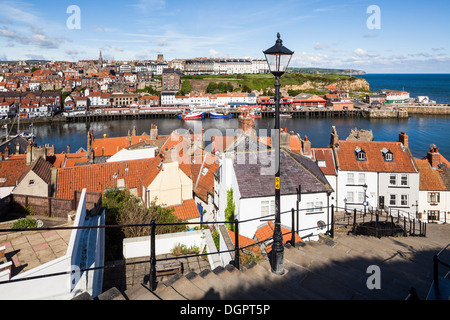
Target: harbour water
x,y
422,131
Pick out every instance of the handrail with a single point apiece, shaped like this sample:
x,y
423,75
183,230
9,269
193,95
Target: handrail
x,y
436,261
237,249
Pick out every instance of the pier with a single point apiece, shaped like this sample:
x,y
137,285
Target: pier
x,y
174,115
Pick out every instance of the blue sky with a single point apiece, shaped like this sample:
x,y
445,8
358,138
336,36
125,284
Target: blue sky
x,y
413,36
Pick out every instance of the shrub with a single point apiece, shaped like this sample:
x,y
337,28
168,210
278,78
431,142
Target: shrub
x,y
25,223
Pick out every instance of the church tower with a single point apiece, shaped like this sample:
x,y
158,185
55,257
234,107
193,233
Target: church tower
x,y
100,59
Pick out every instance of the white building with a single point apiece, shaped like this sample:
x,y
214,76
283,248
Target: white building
x,y
85,250
167,99
379,173
434,192
251,177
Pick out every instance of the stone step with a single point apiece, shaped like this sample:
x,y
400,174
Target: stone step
x,y
139,293
330,270
270,284
168,293
353,267
188,289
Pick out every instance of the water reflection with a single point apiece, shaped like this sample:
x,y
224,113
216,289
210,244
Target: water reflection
x,y
422,131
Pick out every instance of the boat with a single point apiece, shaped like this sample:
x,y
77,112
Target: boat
x,y
218,115
286,115
255,114
192,115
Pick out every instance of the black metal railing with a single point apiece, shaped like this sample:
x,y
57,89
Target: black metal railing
x,y
349,219
437,260
388,222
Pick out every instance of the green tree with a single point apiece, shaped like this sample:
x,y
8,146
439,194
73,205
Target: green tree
x,y
229,210
122,208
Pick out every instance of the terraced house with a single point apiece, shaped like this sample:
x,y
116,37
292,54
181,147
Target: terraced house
x,y
381,174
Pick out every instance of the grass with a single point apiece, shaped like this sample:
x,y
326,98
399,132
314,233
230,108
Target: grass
x,y
264,81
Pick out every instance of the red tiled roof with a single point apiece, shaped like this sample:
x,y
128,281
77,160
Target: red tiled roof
x,y
204,178
429,177
325,154
345,153
11,171
98,177
266,232
245,242
110,146
187,210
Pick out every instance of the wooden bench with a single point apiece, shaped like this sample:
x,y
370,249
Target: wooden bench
x,y
164,268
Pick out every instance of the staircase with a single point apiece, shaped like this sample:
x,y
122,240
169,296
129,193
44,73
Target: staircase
x,y
325,270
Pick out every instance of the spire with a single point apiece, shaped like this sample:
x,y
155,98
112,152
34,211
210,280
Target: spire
x,y
100,59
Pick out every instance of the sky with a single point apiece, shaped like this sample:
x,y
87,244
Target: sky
x,y
376,36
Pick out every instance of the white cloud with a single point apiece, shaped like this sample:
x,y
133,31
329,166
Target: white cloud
x,y
214,53
320,46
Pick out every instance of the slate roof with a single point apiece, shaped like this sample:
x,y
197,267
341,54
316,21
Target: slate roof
x,y
255,174
12,145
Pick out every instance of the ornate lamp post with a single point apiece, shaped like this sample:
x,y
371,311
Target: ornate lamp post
x,y
365,197
278,58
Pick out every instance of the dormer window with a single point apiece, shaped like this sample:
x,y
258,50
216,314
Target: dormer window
x,y
360,154
387,155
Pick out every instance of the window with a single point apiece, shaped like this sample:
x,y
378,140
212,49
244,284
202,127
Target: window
x,y
318,206
361,197
387,155
393,180
350,178
350,197
267,208
362,178
31,182
404,200
393,200
404,180
433,215
360,154
434,197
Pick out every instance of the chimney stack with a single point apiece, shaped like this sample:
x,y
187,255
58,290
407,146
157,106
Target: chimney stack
x,y
434,157
403,138
306,147
153,132
334,138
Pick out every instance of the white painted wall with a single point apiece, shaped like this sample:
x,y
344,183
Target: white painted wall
x,y
252,208
443,206
67,285
141,247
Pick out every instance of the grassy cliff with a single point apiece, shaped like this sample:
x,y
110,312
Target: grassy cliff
x,y
300,82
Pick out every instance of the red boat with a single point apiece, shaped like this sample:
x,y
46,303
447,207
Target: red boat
x,y
189,115
255,114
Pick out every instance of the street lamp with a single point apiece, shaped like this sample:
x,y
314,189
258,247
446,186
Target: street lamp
x,y
365,197
278,58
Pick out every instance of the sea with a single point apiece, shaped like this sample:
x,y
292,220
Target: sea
x,y
423,131
435,86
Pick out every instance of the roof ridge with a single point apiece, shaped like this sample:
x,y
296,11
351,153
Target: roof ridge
x,y
327,185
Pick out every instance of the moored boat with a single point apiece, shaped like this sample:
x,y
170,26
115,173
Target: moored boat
x,y
192,115
218,115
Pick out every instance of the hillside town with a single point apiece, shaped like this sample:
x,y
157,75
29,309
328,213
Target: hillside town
x,y
198,175
98,87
